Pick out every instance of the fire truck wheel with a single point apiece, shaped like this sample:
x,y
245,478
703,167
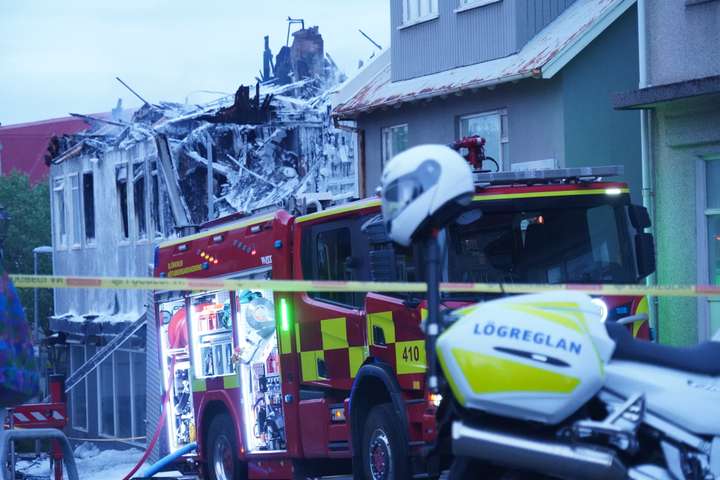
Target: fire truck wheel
x,y
221,449
385,452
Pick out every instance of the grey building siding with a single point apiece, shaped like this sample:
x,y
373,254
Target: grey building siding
x,y
453,39
683,41
568,118
534,15
595,133
529,104
467,36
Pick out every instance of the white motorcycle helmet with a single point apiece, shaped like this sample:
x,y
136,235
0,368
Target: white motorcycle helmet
x,y
423,188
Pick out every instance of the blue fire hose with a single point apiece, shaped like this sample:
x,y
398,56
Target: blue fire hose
x,y
158,466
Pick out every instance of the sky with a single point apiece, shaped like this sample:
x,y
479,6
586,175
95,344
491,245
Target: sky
x,y
63,56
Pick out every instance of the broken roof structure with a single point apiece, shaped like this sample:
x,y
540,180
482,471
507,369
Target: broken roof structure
x,y
261,150
542,57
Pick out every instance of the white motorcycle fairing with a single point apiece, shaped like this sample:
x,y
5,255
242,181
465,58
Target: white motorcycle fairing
x,y
689,400
530,357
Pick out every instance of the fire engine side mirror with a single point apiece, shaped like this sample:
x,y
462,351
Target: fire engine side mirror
x,y
645,253
639,217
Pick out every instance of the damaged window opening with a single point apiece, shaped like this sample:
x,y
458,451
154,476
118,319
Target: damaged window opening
x,y
59,205
89,206
76,213
155,202
139,199
122,194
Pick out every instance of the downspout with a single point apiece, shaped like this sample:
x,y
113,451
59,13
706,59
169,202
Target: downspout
x,y
647,165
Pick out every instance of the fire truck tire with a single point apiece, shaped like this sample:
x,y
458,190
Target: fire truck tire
x,y
384,447
221,451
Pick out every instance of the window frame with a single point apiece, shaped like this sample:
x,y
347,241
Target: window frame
x,y
705,270
60,221
76,211
88,241
385,156
124,239
143,209
359,249
73,369
407,21
134,435
465,5
503,148
100,374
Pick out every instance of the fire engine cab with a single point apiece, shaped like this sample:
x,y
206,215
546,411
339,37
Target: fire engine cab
x,y
290,385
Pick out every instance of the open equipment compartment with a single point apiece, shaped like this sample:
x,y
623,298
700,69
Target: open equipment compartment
x,y
174,342
259,365
211,330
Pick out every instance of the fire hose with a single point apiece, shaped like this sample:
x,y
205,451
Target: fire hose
x,y
160,424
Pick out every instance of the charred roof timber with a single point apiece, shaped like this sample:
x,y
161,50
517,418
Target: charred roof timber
x,y
243,111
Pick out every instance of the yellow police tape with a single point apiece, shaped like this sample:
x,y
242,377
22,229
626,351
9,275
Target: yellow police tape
x,y
196,284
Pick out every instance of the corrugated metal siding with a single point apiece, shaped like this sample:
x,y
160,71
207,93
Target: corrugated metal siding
x,y
453,39
420,49
534,15
486,32
456,39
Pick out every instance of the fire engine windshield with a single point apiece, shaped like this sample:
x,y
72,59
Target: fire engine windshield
x,y
582,244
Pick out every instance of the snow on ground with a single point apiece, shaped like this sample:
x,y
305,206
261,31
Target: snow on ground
x,y
92,463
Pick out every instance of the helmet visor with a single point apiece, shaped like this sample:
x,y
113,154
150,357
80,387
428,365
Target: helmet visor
x,y
398,195
403,190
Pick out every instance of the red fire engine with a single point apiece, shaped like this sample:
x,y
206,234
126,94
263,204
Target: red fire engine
x,y
283,385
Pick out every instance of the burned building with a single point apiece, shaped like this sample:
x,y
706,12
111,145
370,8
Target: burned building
x,y
160,171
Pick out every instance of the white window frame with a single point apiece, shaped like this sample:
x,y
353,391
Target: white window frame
x,y
60,222
125,240
73,369
503,161
76,212
133,413
425,10
111,359
705,213
386,150
140,238
465,5
93,241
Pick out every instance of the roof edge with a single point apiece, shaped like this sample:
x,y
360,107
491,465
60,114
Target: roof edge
x,y
649,97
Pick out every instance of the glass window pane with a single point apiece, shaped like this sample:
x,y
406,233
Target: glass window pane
x,y
138,380
333,250
487,127
89,206
123,392
78,394
76,213
107,398
714,247
713,184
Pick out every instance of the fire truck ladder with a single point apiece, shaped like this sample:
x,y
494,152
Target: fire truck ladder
x,y
93,362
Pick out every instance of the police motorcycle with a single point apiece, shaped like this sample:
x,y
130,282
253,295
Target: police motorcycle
x,y
538,386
